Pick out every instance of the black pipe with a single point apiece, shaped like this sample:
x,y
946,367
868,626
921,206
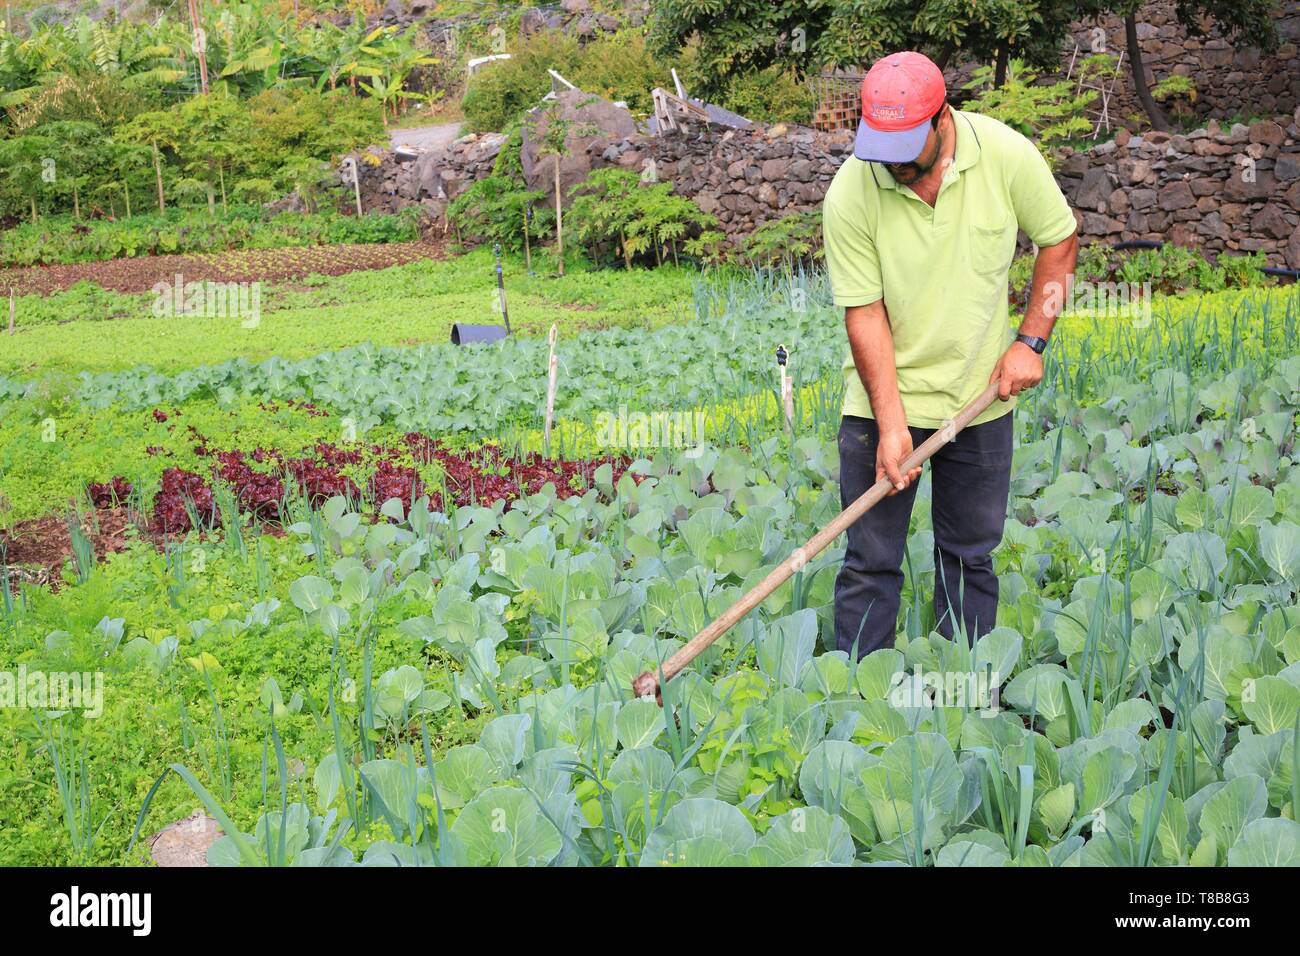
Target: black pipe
x,y
1292,274
1138,244
462,334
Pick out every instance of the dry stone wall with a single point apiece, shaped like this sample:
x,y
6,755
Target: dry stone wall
x,y
1229,83
431,180
1224,189
744,177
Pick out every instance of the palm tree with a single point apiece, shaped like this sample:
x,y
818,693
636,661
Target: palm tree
x,y
144,59
249,48
400,57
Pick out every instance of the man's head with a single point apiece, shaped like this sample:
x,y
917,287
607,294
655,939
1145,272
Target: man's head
x,y
903,105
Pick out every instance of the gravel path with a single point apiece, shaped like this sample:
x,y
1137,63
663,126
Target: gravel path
x,y
426,137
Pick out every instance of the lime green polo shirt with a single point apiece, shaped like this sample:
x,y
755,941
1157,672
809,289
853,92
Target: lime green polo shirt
x,y
941,270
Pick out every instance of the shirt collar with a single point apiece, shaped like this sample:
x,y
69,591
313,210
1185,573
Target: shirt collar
x,y
967,153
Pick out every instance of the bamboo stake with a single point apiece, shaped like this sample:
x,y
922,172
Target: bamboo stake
x,y
12,310
648,684
157,171
550,392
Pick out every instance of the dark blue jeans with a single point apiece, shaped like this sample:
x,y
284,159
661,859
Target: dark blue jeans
x,y
970,480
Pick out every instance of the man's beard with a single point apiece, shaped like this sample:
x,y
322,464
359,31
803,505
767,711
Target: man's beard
x,y
911,172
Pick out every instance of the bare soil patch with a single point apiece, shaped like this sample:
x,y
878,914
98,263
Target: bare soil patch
x,y
36,550
244,265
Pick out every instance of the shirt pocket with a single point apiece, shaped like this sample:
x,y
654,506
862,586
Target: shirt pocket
x,y
992,246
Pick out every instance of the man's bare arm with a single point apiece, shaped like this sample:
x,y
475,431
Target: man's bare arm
x,y
1053,267
872,343
1020,367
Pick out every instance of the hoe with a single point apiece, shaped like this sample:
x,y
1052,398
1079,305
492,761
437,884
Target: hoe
x,y
649,683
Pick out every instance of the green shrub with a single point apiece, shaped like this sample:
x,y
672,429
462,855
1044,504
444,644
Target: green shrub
x,y
301,121
771,96
83,97
1050,114
616,66
1170,270
613,207
796,238
499,93
1173,269
493,209
710,247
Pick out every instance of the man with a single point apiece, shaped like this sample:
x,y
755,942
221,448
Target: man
x,y
920,230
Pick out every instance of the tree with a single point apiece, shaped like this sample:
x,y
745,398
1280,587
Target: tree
x,y
399,57
126,159
155,129
552,128
496,208
23,162
207,130
246,48
136,55
79,150
388,93
614,205
741,37
554,145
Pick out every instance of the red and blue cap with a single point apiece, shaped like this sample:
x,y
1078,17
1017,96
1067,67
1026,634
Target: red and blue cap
x,y
900,94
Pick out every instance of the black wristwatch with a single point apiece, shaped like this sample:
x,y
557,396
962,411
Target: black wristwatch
x,y
1034,342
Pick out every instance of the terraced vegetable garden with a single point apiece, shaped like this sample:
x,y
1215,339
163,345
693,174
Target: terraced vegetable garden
x,y
349,609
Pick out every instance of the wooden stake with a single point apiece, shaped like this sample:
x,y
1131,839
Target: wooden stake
x,y
157,171
787,396
550,391
648,684
12,311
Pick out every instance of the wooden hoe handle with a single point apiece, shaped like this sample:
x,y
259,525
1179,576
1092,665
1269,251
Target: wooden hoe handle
x,y
649,683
